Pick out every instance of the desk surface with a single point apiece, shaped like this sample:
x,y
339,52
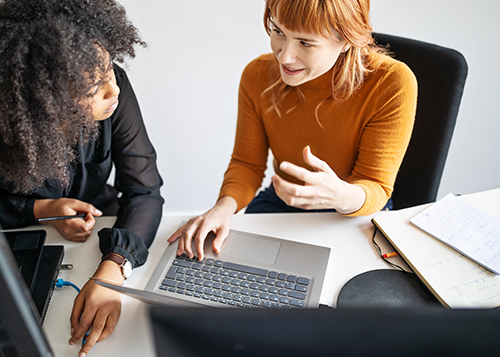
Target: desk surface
x,y
349,238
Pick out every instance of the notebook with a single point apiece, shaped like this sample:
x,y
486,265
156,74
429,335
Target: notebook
x,y
456,281
38,264
250,271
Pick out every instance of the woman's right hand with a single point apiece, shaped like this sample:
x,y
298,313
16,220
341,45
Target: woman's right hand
x,y
217,220
74,229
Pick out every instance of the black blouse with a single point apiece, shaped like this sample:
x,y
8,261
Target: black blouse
x,y
124,143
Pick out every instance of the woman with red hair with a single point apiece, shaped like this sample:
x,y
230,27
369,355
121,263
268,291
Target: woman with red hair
x,y
336,111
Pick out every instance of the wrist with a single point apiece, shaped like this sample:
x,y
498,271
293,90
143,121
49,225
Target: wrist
x,y
109,270
227,204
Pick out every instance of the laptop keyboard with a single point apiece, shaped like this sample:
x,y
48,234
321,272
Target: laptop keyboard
x,y
235,284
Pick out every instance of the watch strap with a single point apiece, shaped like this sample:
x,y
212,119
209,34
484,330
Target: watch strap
x,y
114,257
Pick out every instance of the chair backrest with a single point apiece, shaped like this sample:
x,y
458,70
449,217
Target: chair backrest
x,y
441,74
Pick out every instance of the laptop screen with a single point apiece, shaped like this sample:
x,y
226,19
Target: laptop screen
x,y
20,331
325,332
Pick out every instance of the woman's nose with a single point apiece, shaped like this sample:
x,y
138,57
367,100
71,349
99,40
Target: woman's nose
x,y
111,89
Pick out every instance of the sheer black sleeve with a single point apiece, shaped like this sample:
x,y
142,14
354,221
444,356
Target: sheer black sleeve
x,y
136,178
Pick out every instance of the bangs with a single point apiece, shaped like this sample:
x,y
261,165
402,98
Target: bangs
x,y
311,16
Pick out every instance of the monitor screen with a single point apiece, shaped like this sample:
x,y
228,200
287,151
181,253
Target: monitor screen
x,y
325,332
20,331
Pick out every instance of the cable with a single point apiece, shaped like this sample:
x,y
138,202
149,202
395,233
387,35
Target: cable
x,y
59,284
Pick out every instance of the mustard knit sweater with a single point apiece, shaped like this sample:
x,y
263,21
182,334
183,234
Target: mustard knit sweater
x,y
363,138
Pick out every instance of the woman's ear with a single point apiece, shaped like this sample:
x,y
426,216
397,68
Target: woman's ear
x,y
346,47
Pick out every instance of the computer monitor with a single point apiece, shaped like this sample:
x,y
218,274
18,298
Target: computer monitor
x,y
20,331
325,332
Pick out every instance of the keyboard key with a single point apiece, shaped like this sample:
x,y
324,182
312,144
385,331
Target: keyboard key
x,y
303,281
196,266
297,295
245,291
226,287
233,274
254,286
273,290
266,304
217,278
237,297
301,288
285,300
232,303
181,263
298,303
273,275
245,284
190,272
255,294
190,279
243,276
265,296
264,288
191,287
290,286
199,274
168,282
283,292
214,299
209,291
281,276
199,281
200,289
236,289
280,284
171,272
208,284
206,268
219,263
252,278
292,278
236,282
219,293
206,297
215,270
228,296
274,298
226,279
210,262
256,302
245,269
217,286
271,282
247,299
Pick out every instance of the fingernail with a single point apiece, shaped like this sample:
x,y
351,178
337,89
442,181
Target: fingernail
x,y
71,343
284,166
83,354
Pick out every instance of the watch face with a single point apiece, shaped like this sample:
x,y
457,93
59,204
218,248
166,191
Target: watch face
x,y
127,269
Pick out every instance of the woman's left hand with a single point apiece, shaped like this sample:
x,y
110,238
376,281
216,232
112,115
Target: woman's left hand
x,y
322,188
96,307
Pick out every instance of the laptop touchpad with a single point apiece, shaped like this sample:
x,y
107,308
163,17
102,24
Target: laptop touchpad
x,y
252,248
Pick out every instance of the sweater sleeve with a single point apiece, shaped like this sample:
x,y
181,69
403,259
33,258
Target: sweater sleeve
x,y
386,136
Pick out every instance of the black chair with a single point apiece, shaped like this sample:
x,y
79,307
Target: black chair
x,y
441,74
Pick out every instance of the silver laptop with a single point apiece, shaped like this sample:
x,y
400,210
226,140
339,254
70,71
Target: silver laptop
x,y
250,271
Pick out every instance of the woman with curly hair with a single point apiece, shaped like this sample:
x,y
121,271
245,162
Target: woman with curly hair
x,y
326,89
68,114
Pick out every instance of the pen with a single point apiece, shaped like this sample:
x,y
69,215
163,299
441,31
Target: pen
x,y
57,218
390,255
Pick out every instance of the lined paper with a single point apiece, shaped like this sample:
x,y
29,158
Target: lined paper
x,y
465,228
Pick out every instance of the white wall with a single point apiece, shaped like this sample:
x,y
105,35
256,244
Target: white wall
x,y
187,82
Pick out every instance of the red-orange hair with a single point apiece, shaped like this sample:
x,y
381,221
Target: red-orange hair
x,y
349,19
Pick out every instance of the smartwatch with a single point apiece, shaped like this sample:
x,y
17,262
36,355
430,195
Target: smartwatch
x,y
124,264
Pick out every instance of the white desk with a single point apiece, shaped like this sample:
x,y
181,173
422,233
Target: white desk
x,y
352,253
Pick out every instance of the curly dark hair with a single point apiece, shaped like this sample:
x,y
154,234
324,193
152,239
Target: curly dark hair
x,y
51,54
